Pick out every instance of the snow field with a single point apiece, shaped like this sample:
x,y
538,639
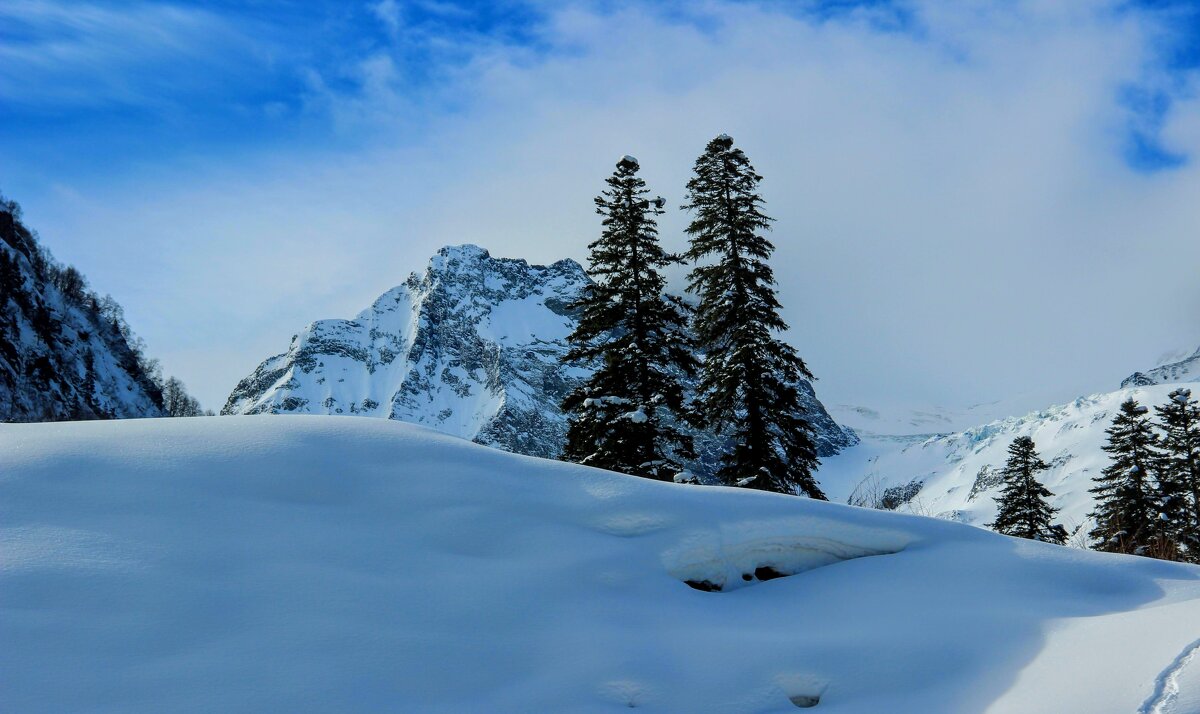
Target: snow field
x,y
317,564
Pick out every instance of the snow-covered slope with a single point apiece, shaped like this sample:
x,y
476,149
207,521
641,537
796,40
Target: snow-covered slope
x,y
316,564
1184,370
61,356
925,420
955,475
472,347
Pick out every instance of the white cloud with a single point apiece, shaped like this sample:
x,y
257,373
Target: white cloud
x,y
955,220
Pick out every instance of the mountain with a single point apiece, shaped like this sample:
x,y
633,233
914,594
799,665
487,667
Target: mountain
x,y
1185,370
65,353
316,564
471,347
956,475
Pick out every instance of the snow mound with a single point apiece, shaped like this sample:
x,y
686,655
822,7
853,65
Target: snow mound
x,y
318,564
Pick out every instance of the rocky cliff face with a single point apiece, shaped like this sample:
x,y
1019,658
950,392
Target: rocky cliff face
x,y
63,351
471,347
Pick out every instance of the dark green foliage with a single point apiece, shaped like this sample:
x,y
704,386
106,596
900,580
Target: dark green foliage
x,y
1179,473
747,382
1126,512
623,418
1024,511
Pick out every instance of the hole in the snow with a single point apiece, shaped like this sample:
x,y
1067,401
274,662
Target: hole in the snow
x,y
766,572
805,701
712,561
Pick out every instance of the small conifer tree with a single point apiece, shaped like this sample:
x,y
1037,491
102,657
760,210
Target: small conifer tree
x,y
625,417
1024,510
747,388
1126,513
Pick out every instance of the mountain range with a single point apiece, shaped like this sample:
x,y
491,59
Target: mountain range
x,y
956,475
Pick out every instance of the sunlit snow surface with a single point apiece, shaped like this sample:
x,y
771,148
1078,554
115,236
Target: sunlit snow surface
x,y
318,564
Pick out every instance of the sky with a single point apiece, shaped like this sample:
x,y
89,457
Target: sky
x,y
975,201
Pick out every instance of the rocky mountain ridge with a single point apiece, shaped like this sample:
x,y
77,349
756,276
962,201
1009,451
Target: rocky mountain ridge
x,y
65,353
1184,370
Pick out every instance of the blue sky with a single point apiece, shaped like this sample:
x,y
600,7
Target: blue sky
x,y
954,181
85,85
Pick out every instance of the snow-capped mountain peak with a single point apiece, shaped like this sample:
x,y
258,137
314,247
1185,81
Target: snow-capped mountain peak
x,y
471,346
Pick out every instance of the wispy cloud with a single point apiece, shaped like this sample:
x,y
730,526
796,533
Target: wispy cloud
x,y
55,53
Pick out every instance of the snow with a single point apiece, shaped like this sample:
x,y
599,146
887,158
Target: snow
x,y
637,416
318,564
1177,688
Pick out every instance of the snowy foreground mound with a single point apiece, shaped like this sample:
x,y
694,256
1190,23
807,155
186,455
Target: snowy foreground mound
x,y
318,564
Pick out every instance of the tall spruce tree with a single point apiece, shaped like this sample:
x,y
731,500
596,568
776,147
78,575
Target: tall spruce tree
x,y
1023,509
624,417
1179,472
1126,511
747,388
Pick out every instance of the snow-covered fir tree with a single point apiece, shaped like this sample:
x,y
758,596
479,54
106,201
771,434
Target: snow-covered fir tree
x,y
1024,510
747,389
1126,513
1179,472
624,417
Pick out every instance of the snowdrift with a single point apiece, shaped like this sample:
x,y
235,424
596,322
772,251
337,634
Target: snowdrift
x,y
318,564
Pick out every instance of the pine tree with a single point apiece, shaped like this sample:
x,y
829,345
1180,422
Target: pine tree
x,y
1179,472
747,388
1126,513
624,418
1024,511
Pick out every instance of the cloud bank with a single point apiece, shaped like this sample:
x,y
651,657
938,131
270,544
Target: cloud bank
x,y
974,200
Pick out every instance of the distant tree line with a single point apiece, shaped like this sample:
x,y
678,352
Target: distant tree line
x,y
1147,498
642,343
